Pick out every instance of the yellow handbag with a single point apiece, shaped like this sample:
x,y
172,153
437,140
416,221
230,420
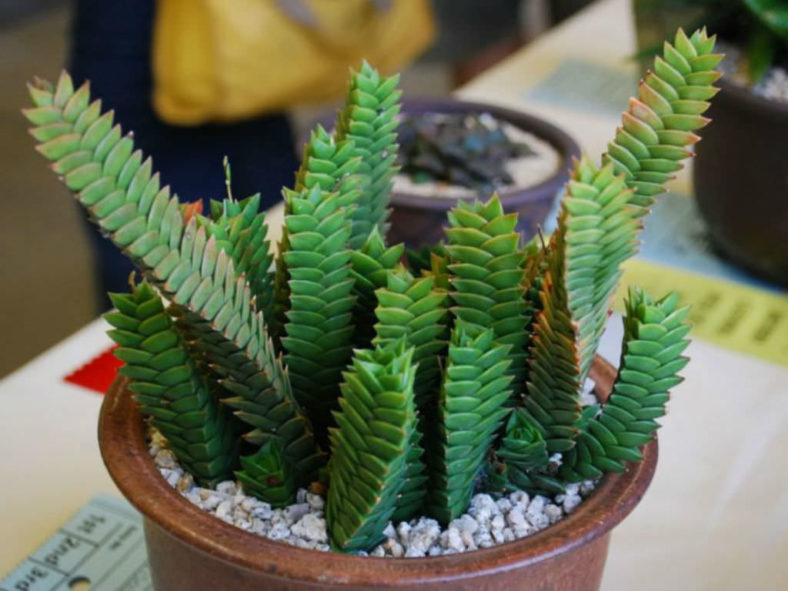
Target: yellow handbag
x,y
224,60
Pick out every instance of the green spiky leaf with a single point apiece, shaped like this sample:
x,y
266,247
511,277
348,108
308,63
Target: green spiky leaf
x,y
654,339
370,446
123,196
319,328
184,409
369,119
552,402
240,229
329,166
266,475
369,267
413,309
487,275
475,388
658,129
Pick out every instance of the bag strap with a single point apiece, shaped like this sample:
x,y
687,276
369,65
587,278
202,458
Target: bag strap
x,y
300,11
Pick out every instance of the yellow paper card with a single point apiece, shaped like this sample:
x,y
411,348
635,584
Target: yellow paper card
x,y
728,314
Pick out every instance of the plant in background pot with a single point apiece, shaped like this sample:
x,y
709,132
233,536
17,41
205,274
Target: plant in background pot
x,y
453,150
745,208
345,391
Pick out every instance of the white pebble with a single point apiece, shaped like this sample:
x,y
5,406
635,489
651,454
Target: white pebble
x,y
519,497
482,508
403,532
467,540
424,534
279,532
536,505
538,520
296,512
316,502
226,487
263,511
553,512
393,548
185,482
311,527
497,523
504,505
452,539
223,509
465,523
165,459
518,523
211,502
571,502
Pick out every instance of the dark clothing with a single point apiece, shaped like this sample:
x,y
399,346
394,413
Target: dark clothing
x,y
111,46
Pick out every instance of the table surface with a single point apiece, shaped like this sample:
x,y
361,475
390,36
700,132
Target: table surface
x,y
716,515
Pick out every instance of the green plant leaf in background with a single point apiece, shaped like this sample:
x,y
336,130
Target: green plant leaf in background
x,y
369,447
772,13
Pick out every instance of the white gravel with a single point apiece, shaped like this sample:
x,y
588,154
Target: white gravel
x,y
488,521
526,171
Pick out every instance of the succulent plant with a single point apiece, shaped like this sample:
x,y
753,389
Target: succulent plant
x,y
467,367
470,150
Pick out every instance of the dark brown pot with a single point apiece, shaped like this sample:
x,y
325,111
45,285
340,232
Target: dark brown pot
x,y
418,220
190,550
741,180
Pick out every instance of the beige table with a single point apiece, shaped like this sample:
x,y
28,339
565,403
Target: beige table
x,y
715,517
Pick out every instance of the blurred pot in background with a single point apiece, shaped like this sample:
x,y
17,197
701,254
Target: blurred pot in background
x,y
741,180
746,205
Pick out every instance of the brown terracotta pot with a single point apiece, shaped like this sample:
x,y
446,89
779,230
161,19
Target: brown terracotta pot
x,y
189,549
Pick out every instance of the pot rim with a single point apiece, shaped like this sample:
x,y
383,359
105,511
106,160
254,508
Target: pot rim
x,y
561,141
124,450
